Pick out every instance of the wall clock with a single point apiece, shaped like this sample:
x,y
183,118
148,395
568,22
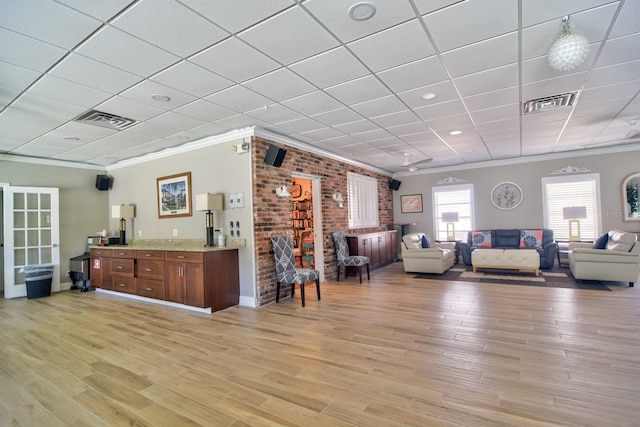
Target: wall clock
x,y
506,195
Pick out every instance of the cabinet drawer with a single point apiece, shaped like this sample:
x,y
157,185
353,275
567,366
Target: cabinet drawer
x,y
155,255
124,253
185,256
150,288
104,253
148,269
124,284
122,266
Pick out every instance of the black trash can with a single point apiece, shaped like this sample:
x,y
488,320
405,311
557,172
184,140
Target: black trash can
x,y
38,279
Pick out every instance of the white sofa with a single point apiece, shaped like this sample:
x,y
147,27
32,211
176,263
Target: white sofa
x,y
416,259
618,262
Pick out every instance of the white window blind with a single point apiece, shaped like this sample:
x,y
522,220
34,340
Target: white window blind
x,y
568,191
453,198
362,192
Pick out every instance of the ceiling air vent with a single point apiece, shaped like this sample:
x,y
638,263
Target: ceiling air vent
x,y
106,120
549,103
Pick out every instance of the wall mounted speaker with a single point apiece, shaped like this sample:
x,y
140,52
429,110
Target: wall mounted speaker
x,y
394,184
103,182
274,156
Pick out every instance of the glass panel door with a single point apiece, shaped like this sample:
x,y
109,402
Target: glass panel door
x,y
31,230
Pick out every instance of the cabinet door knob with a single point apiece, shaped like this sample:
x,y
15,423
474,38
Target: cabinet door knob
x,y
123,285
148,289
119,267
147,269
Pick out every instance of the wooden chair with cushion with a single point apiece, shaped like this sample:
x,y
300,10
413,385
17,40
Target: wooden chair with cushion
x,y
346,260
286,271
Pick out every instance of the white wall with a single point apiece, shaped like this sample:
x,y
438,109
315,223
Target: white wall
x,y
613,168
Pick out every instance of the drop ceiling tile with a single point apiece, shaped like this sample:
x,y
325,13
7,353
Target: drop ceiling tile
x,y
239,98
89,72
373,135
225,13
322,134
29,53
554,86
301,125
313,103
444,92
449,123
617,50
335,15
41,105
103,10
49,22
538,69
163,23
358,90
474,20
289,36
7,95
143,92
86,133
330,68
192,79
605,93
274,113
603,76
279,85
548,10
234,60
205,110
337,117
176,121
414,75
487,81
427,6
68,92
389,49
129,108
492,99
496,113
403,117
487,54
357,126
209,129
15,77
139,57
627,21
148,130
407,129
379,107
442,109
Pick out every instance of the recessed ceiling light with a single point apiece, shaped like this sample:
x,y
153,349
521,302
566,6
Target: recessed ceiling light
x,y
455,132
161,98
428,95
362,11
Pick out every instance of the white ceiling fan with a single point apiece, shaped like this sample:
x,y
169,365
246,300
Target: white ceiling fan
x,y
412,166
633,135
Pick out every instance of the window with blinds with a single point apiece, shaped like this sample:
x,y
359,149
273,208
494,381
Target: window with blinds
x,y
453,198
572,191
362,192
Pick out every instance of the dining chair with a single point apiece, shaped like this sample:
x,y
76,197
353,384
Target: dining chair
x,y
346,260
286,271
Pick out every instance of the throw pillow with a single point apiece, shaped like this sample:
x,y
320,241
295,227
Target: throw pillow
x,y
426,241
481,239
601,242
530,239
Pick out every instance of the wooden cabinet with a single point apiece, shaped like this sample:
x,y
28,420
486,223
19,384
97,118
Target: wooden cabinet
x,y
185,278
195,278
380,247
101,268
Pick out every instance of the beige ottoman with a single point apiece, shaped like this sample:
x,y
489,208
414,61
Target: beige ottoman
x,y
518,259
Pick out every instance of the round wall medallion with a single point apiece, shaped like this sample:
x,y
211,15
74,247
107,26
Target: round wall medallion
x,y
506,195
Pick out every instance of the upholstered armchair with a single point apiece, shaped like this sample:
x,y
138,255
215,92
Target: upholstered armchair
x,y
437,259
619,261
286,271
344,259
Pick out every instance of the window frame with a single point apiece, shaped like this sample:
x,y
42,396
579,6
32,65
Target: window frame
x,y
437,215
362,197
594,210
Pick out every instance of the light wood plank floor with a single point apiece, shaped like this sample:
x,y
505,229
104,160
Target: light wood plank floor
x,y
392,351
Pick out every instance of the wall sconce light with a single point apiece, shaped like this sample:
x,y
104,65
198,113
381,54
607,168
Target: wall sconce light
x,y
337,197
123,212
450,218
569,50
574,214
209,202
243,147
282,191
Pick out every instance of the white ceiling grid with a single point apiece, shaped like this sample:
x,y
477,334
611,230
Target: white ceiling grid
x,y
305,70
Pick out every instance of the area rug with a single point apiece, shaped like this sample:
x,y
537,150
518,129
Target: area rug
x,y
556,278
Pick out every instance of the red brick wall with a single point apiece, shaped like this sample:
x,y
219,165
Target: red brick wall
x,y
272,214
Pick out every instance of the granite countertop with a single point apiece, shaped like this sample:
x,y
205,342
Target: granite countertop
x,y
187,245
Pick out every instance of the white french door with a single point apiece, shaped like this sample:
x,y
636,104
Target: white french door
x,y
31,235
